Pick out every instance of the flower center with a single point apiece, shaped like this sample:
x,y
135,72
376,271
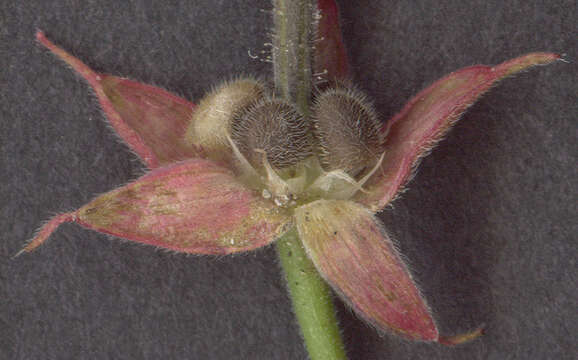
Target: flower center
x,y
301,183
292,159
289,157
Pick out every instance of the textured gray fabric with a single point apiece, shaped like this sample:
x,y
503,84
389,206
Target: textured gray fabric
x,y
488,224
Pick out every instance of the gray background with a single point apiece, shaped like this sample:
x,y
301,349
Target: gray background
x,y
488,225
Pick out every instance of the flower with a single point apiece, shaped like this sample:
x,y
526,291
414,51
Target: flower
x,y
234,187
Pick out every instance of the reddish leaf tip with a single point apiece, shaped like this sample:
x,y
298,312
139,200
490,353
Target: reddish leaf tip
x,y
562,58
87,73
150,120
40,36
46,230
513,66
461,338
94,80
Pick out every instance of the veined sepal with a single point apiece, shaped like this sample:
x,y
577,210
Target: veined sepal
x,y
150,120
194,206
426,118
354,254
356,257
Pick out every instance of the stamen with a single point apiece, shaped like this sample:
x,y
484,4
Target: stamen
x,y
377,166
323,183
246,168
297,182
274,182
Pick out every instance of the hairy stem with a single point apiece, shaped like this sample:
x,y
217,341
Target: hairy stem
x,y
295,27
292,49
312,301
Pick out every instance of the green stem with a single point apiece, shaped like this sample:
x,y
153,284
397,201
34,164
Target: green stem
x,y
312,298
312,301
292,50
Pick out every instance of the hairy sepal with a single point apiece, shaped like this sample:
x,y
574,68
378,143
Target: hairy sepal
x,y
194,206
150,120
413,132
356,257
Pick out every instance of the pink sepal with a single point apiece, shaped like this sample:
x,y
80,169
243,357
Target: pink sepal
x,y
150,120
356,257
194,206
413,132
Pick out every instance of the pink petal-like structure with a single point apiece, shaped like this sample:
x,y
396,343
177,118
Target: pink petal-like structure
x,y
150,120
354,254
331,60
428,116
194,206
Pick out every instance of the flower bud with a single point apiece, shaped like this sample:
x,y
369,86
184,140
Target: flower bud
x,y
211,120
274,128
347,129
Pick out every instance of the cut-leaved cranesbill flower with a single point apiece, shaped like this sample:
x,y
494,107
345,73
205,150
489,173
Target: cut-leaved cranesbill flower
x,y
246,166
